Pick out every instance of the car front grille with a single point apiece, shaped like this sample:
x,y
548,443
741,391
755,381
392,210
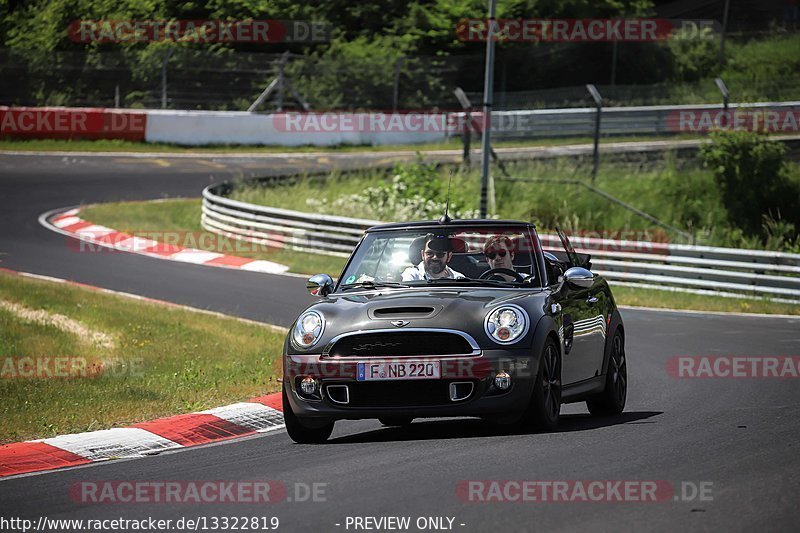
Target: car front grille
x,y
400,344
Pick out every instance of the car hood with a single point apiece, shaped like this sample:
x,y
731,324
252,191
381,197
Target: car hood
x,y
456,308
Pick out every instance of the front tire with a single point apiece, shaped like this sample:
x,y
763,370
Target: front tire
x,y
545,406
612,400
298,431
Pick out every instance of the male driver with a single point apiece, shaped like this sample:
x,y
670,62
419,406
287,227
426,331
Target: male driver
x,y
499,254
436,253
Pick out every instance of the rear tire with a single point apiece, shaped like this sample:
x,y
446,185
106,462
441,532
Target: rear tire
x,y
298,430
545,406
395,421
612,400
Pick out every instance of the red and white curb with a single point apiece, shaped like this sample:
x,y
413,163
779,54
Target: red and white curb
x,y
70,224
258,415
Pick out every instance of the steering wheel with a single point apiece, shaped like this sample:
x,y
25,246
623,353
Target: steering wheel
x,y
516,275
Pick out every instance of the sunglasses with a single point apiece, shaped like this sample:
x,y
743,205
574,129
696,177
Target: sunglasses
x,y
492,254
430,254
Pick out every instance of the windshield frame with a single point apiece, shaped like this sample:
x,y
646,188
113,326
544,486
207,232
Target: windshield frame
x,y
528,230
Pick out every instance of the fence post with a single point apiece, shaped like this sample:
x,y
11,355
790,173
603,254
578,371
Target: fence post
x,y
466,133
472,123
396,89
722,35
164,78
598,101
725,98
281,80
487,188
614,62
467,139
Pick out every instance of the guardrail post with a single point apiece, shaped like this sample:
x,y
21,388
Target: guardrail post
x,y
598,101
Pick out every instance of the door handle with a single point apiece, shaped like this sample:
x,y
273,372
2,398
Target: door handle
x,y
591,300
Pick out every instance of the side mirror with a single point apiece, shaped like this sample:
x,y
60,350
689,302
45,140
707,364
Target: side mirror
x,y
320,285
579,278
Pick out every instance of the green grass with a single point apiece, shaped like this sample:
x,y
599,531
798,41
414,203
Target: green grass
x,y
106,145
678,192
184,361
184,215
763,69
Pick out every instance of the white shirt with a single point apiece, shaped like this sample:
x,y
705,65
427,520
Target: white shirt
x,y
418,273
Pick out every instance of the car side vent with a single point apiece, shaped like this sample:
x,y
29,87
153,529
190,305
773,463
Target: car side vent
x,y
404,312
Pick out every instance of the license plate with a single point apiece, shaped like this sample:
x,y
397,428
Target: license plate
x,y
377,370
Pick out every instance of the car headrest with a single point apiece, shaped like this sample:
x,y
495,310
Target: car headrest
x,y
459,245
521,259
415,250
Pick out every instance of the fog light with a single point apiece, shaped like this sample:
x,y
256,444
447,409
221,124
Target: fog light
x,y
308,385
503,333
502,380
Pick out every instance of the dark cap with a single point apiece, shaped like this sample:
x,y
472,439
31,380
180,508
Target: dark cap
x,y
439,243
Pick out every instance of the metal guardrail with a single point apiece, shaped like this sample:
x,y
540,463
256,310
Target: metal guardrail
x,y
638,120
758,273
271,226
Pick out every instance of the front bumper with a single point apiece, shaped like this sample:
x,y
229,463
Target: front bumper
x,y
412,398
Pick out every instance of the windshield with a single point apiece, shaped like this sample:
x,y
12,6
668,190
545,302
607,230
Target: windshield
x,y
480,255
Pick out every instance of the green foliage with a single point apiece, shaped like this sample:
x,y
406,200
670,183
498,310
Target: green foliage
x,y
760,61
694,56
750,171
679,192
416,192
361,70
372,39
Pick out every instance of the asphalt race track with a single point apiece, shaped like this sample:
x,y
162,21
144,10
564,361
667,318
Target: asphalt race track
x,y
739,435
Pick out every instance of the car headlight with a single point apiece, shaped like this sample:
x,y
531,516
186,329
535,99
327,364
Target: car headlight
x,y
308,329
506,324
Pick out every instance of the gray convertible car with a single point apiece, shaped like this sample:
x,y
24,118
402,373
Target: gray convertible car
x,y
450,319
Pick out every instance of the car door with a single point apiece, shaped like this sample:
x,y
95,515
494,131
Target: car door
x,y
583,322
